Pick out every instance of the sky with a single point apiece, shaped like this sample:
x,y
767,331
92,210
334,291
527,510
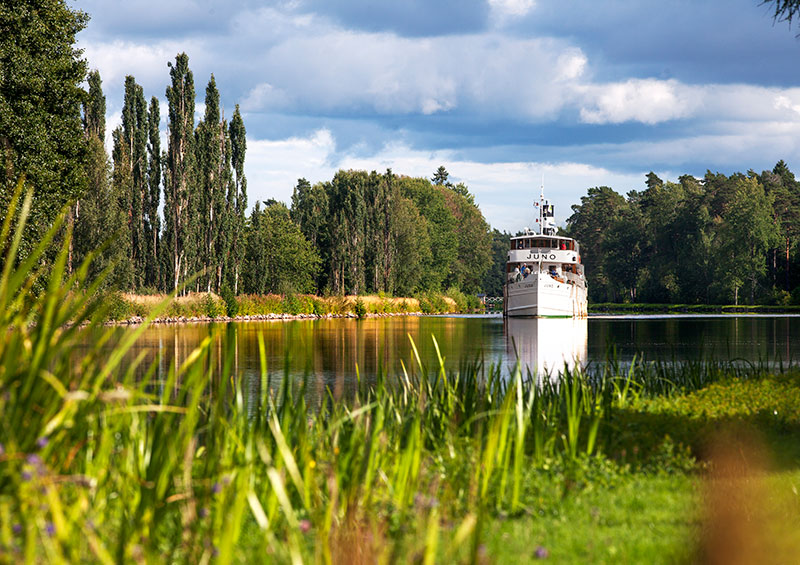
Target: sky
x,y
506,94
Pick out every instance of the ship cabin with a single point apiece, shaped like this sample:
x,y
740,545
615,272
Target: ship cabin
x,y
554,255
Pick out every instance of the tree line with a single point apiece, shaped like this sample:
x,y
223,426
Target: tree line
x,y
360,232
168,218
201,174
381,232
717,239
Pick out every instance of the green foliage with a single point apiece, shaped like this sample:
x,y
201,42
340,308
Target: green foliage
x,y
383,233
494,279
118,307
694,241
360,308
785,10
231,305
320,307
41,137
290,304
278,257
461,299
211,306
255,304
432,303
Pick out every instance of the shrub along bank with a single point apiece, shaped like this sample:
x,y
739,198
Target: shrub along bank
x,y
124,306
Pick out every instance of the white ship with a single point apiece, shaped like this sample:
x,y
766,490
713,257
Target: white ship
x,y
544,273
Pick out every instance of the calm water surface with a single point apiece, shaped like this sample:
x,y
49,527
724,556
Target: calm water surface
x,y
330,352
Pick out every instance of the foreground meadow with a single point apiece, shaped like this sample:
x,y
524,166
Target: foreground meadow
x,y
652,463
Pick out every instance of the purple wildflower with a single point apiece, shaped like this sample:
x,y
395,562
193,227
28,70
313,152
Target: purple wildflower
x,y
216,488
26,476
42,442
203,513
50,528
17,529
541,553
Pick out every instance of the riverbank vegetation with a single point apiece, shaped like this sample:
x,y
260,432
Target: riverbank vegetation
x,y
207,305
645,308
105,460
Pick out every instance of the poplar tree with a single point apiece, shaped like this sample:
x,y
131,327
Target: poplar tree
x,y
134,136
238,139
227,202
94,108
98,210
179,186
122,193
153,200
208,154
216,190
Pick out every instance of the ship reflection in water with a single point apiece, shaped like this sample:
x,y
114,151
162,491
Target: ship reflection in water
x,y
546,345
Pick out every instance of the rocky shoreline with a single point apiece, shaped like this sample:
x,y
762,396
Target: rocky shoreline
x,y
137,320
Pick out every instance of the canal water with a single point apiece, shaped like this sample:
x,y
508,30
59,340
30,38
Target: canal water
x,y
334,353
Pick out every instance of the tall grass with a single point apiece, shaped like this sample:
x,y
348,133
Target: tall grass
x,y
98,464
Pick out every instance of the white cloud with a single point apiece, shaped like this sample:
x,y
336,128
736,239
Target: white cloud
x,y
783,102
272,167
504,191
307,65
145,61
264,96
352,72
643,100
503,11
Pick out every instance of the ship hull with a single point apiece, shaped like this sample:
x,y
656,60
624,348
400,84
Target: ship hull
x,y
544,297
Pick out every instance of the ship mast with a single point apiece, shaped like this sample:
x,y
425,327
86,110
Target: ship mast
x,y
541,207
546,214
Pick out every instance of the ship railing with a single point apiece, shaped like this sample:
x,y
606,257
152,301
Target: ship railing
x,y
573,278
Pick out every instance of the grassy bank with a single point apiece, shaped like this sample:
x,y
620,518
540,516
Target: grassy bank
x,y
627,308
203,305
100,464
